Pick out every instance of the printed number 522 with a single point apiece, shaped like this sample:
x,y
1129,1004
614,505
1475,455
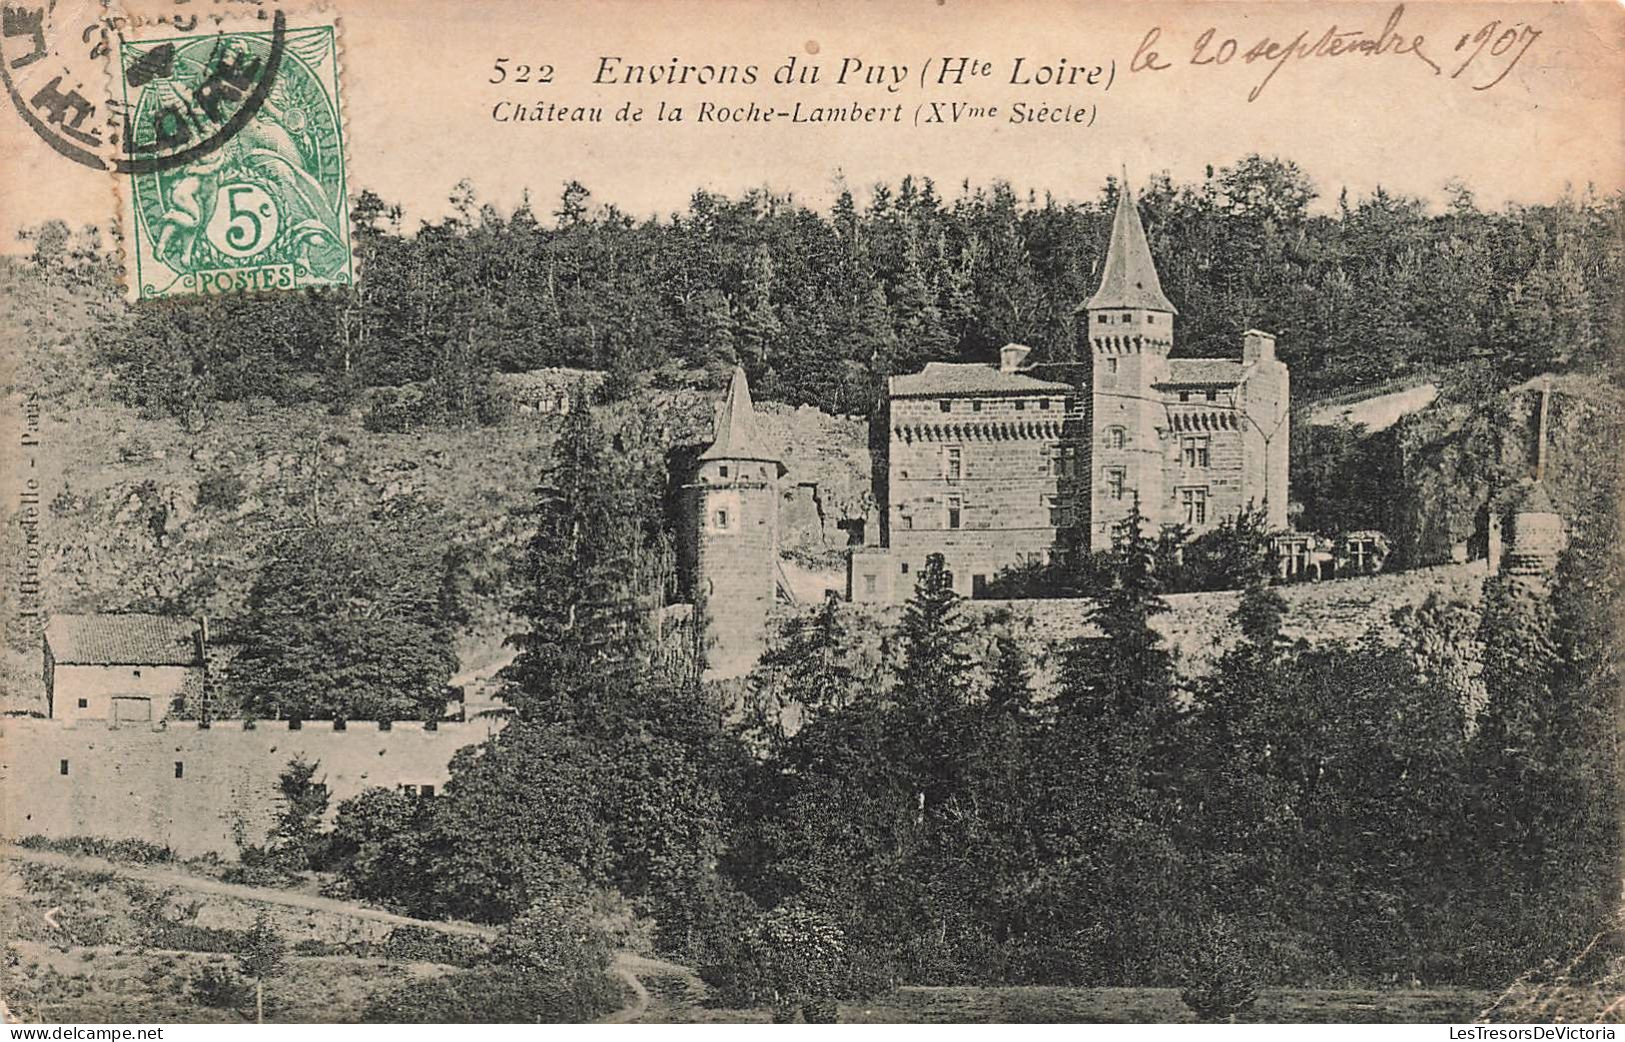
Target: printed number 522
x,y
521,73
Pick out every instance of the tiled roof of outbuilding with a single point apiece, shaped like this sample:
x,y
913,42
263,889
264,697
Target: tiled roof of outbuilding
x,y
122,639
949,379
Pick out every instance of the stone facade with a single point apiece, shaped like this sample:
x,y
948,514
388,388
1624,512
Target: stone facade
x,y
996,469
1199,627
201,789
983,467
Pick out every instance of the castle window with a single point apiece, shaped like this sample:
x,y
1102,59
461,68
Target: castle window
x,y
1362,554
63,767
84,703
1115,437
135,672
1043,403
1150,320
976,406
868,584
1294,557
1105,320
954,462
1114,482
722,520
1194,502
723,470
180,769
1020,405
946,405
1057,511
1184,396
1111,366
1212,396
1194,451
955,506
905,567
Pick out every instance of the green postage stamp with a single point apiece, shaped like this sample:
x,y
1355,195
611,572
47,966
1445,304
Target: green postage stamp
x,y
236,179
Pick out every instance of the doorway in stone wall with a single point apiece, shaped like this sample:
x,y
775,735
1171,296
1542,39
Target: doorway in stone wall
x,y
128,710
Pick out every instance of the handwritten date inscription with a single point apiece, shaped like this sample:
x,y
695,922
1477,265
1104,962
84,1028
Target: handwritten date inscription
x,y
1484,56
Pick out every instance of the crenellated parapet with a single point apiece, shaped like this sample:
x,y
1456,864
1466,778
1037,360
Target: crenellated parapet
x,y
984,430
1127,344
1186,420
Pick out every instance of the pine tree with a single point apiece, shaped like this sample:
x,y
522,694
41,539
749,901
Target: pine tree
x,y
591,584
806,670
1125,672
1011,691
933,686
296,838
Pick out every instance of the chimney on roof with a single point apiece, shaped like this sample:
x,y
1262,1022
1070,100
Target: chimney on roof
x,y
1011,356
1257,346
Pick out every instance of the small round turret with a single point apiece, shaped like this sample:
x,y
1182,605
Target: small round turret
x,y
733,520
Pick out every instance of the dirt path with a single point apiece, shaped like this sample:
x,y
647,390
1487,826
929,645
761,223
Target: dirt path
x,y
630,967
165,877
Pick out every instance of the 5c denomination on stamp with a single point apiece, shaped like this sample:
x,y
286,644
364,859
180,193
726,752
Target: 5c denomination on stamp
x,y
237,176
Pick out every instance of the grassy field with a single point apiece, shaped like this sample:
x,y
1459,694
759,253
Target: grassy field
x,y
107,984
1162,1005
682,999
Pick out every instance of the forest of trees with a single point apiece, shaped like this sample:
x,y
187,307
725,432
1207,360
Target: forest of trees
x,y
819,307
1318,815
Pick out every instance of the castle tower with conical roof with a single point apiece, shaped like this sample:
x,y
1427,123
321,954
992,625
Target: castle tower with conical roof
x,y
1130,333
733,521
1538,535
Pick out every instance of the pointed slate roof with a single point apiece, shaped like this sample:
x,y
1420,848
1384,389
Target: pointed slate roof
x,y
737,436
1129,279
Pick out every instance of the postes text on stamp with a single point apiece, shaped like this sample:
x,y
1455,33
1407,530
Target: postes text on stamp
x,y
259,202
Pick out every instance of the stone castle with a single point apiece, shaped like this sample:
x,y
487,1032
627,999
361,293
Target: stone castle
x,y
1003,466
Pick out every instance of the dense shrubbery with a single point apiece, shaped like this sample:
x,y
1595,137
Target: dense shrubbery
x,y
425,944
548,964
353,621
220,986
132,851
820,307
1339,809
496,995
1238,552
222,490
1307,814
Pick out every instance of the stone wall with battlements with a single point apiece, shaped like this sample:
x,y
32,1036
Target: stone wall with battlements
x,y
199,789
1198,626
